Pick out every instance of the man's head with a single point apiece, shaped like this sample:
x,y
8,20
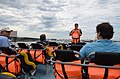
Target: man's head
x,y
76,25
42,37
104,30
5,31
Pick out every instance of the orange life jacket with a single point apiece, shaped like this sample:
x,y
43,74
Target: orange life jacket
x,y
10,64
75,34
38,56
98,73
73,72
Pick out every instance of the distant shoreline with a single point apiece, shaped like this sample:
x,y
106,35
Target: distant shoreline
x,y
28,39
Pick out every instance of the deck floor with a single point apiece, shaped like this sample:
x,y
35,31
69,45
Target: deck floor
x,y
41,72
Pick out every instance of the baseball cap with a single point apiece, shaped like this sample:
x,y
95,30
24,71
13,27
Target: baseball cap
x,y
6,29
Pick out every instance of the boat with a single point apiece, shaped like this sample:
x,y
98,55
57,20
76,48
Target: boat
x,y
66,64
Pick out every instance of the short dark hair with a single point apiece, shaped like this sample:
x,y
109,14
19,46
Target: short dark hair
x,y
42,37
76,23
106,30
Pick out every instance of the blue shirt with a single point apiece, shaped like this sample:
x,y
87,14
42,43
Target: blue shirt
x,y
4,41
99,46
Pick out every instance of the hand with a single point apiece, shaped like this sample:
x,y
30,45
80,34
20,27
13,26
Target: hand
x,y
71,32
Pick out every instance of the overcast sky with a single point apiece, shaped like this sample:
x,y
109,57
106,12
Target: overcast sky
x,y
56,18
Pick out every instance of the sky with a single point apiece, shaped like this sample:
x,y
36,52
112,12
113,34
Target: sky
x,y
56,18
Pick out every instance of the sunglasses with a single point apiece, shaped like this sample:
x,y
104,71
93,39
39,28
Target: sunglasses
x,y
8,31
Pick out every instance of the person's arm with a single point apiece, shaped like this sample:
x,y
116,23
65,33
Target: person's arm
x,y
86,50
82,52
71,33
81,31
5,42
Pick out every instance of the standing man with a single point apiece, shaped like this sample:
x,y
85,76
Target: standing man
x,y
75,34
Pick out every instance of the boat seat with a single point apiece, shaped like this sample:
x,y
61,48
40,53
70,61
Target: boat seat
x,y
75,47
37,52
36,46
7,50
10,63
27,65
106,59
63,46
64,71
53,44
65,55
17,64
23,45
80,43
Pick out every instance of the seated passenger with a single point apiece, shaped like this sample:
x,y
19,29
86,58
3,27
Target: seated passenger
x,y
5,47
43,40
4,39
104,33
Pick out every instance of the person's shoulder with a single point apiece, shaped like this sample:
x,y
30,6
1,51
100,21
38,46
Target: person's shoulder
x,y
73,30
90,44
79,29
3,37
116,43
43,42
38,42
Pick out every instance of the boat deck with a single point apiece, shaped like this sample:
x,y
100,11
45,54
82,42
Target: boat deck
x,y
41,72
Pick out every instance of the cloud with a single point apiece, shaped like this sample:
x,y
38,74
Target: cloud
x,y
51,6
56,18
9,3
